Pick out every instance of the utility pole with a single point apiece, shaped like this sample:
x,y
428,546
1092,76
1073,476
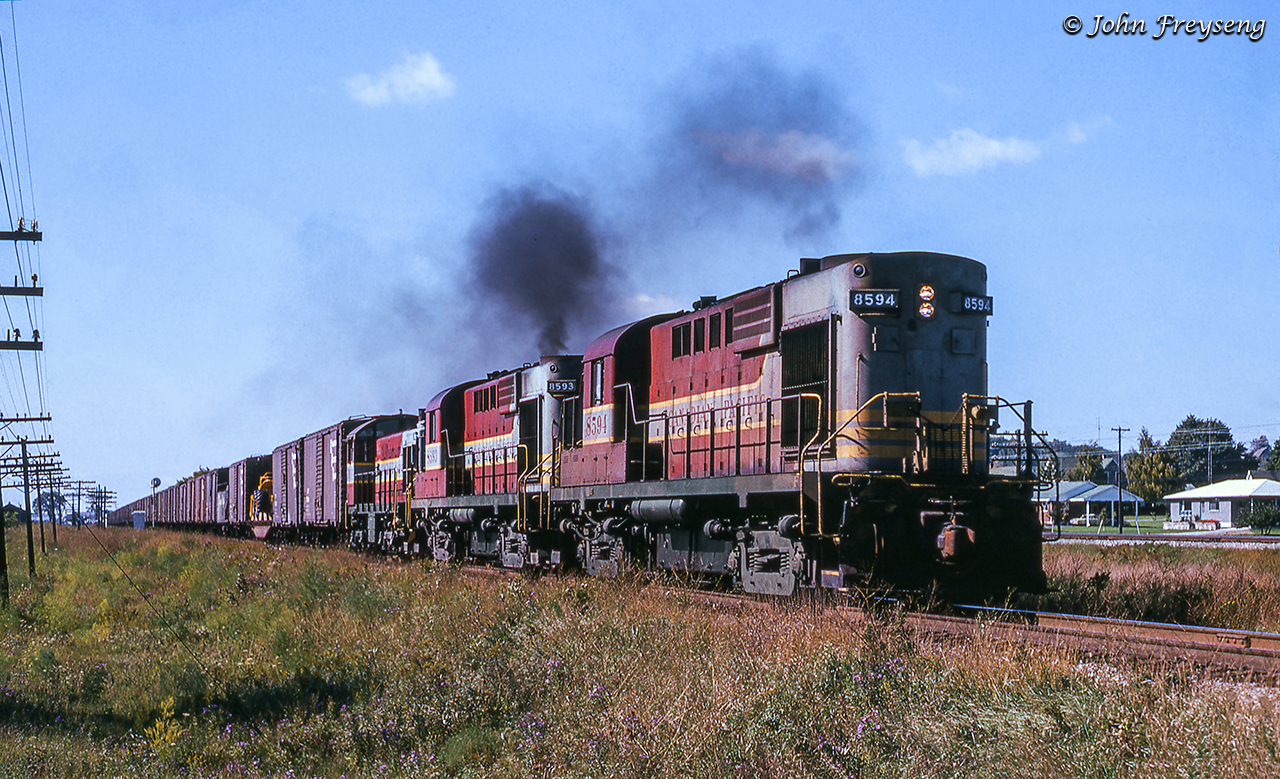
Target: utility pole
x,y
26,488
43,551
1208,446
1119,512
15,343
4,559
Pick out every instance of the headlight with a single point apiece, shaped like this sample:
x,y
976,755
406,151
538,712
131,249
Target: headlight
x,y
925,309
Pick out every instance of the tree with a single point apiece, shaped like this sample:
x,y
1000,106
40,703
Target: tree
x,y
1196,442
1264,517
1088,466
50,505
1150,471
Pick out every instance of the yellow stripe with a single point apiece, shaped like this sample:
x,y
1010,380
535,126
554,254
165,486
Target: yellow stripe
x,y
509,439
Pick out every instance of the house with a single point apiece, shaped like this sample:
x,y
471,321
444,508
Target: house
x,y
1110,468
1082,500
1220,504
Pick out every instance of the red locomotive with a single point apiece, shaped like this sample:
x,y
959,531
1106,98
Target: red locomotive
x,y
829,430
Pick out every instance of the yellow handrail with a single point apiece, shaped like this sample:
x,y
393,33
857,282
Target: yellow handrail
x,y
855,418
522,518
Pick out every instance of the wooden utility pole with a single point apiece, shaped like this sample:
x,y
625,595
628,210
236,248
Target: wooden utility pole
x,y
13,342
4,559
26,489
1119,512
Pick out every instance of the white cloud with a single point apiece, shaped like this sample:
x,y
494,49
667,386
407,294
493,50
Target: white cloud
x,y
417,79
966,151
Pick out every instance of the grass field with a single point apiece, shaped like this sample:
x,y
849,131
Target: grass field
x,y
249,660
1230,588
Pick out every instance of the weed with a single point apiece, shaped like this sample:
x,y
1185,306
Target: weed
x,y
271,661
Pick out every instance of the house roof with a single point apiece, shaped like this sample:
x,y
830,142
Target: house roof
x,y
1105,493
1231,488
1065,490
1085,491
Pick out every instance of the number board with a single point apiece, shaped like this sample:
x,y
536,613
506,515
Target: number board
x,y
562,387
963,303
874,301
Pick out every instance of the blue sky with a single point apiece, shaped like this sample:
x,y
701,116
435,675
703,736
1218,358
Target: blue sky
x,y
262,217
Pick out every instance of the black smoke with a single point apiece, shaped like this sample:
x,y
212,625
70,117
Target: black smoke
x,y
743,130
537,260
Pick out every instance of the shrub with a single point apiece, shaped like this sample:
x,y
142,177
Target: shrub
x,y
1265,517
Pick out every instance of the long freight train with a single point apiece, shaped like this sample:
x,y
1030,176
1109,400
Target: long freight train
x,y
827,430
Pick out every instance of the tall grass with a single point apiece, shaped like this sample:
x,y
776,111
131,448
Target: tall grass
x,y
1228,588
250,660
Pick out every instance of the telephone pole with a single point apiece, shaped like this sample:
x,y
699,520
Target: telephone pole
x,y
1119,512
4,560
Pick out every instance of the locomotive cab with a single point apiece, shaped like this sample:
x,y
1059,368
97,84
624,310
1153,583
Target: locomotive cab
x,y
901,474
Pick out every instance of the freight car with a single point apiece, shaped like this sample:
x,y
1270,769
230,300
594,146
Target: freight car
x,y
826,430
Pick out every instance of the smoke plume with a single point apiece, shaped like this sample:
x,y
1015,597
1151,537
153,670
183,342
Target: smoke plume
x,y
745,130
536,254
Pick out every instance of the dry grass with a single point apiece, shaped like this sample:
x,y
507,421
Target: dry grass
x,y
1229,588
260,661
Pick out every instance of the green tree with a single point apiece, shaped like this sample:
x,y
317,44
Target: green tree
x,y
1150,472
1264,517
50,505
1197,441
1087,467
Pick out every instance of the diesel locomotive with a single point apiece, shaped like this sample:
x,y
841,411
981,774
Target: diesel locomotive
x,y
829,430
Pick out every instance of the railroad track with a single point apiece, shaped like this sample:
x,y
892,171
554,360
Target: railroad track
x,y
1217,540
1237,651
1251,653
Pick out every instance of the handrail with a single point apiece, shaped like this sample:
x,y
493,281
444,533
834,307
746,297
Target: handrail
x,y
409,489
805,448
856,417
522,517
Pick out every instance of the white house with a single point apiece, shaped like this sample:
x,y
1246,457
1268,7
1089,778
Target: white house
x,y
1218,505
